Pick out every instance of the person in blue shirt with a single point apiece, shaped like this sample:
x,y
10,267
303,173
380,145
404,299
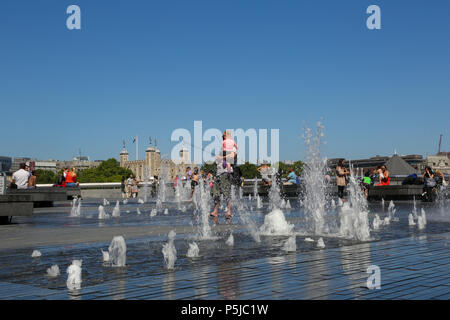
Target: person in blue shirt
x,y
292,177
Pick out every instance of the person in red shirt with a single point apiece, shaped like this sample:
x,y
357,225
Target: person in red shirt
x,y
71,178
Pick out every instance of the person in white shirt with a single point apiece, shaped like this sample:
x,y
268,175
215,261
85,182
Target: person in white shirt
x,y
21,176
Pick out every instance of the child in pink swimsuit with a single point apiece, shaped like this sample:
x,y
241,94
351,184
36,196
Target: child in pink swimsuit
x,y
229,148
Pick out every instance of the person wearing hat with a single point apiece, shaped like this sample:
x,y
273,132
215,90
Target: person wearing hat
x,y
264,170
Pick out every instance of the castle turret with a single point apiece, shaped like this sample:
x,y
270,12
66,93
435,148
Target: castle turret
x,y
123,157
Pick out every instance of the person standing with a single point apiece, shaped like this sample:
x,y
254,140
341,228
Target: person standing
x,y
222,186
188,173
134,187
123,188
129,186
341,178
429,184
264,170
22,176
194,182
366,183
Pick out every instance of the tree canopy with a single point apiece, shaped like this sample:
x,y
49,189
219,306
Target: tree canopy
x,y
108,171
284,168
45,176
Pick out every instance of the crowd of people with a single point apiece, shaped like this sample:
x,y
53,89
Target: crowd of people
x,y
380,176
67,179
24,178
129,187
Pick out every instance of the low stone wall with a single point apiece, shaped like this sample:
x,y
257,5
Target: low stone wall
x,y
101,193
16,205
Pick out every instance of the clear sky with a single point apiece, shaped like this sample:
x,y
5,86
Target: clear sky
x,y
148,67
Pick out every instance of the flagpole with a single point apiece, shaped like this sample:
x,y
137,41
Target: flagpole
x,y
137,142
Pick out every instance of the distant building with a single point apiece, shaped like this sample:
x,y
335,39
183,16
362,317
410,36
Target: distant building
x,y
414,160
438,162
49,165
5,163
17,161
154,166
80,163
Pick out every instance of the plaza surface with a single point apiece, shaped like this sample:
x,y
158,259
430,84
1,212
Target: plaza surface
x,y
413,263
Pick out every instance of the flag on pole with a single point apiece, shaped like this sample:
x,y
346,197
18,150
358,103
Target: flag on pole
x,y
134,139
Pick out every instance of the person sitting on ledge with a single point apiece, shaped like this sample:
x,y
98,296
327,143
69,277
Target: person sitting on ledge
x,y
292,177
13,184
385,179
32,180
71,179
21,176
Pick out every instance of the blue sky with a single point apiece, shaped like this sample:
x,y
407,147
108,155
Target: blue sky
x,y
148,67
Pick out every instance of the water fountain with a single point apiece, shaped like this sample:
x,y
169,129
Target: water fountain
x,y
377,222
74,275
421,220
146,183
161,197
411,220
202,201
105,255
275,224
36,254
102,214
153,212
354,221
259,204
275,200
230,240
76,209
288,204
391,211
255,189
169,251
193,250
117,252
414,212
290,245
53,271
116,210
315,193
105,202
320,243
138,211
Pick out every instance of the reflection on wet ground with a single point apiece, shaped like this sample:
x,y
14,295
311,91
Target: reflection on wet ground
x,y
247,270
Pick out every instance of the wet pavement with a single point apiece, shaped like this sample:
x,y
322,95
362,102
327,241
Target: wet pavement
x,y
413,263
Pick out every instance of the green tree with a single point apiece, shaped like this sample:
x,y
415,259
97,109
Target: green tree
x,y
249,170
45,176
107,171
210,167
284,168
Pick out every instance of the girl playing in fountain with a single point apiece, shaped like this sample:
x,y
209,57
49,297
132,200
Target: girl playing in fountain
x,y
229,148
